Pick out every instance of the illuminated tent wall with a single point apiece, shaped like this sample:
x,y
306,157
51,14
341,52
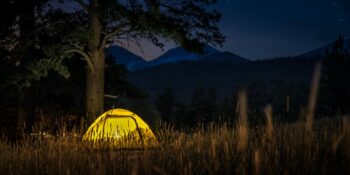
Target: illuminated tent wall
x,y
120,128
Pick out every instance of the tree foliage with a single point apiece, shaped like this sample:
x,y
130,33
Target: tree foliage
x,y
166,104
36,37
28,40
335,85
97,24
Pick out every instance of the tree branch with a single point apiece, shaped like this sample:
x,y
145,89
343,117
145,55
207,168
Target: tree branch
x,y
106,37
85,56
111,34
111,96
10,37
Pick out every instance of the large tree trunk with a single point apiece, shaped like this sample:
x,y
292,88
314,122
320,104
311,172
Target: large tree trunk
x,y
95,73
26,112
95,87
26,106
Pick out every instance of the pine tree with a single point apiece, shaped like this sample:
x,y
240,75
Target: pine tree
x,y
188,23
27,53
165,104
336,79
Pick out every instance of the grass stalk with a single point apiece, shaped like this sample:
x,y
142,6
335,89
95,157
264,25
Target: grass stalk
x,y
313,97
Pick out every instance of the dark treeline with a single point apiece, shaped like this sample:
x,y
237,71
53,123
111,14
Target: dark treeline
x,y
55,100
287,100
283,83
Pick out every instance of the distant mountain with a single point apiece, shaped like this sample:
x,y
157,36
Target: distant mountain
x,y
175,55
321,52
221,57
223,76
179,54
124,56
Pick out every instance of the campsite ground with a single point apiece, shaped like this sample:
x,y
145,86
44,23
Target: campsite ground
x,y
211,149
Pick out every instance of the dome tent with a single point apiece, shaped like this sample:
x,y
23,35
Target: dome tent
x,y
120,128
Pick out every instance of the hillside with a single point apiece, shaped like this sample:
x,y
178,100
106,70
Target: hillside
x,y
172,56
320,52
222,57
123,56
224,77
179,54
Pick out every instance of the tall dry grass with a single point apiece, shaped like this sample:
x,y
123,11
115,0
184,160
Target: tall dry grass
x,y
269,122
242,125
212,149
313,96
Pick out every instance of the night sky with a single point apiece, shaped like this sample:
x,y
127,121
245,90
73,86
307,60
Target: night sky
x,y
258,29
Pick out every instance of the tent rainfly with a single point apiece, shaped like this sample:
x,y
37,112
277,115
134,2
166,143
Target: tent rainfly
x,y
120,128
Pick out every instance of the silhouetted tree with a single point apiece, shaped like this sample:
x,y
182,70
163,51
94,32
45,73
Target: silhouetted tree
x,y
27,53
187,22
165,104
203,105
335,89
226,110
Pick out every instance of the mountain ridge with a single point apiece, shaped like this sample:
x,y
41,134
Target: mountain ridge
x,y
175,55
122,55
179,54
172,56
321,51
224,56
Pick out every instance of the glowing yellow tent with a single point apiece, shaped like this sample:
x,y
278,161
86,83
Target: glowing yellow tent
x,y
120,128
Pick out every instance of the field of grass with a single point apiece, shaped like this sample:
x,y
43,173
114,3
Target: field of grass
x,y
210,149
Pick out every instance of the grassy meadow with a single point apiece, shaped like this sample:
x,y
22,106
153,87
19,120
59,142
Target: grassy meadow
x,y
210,149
